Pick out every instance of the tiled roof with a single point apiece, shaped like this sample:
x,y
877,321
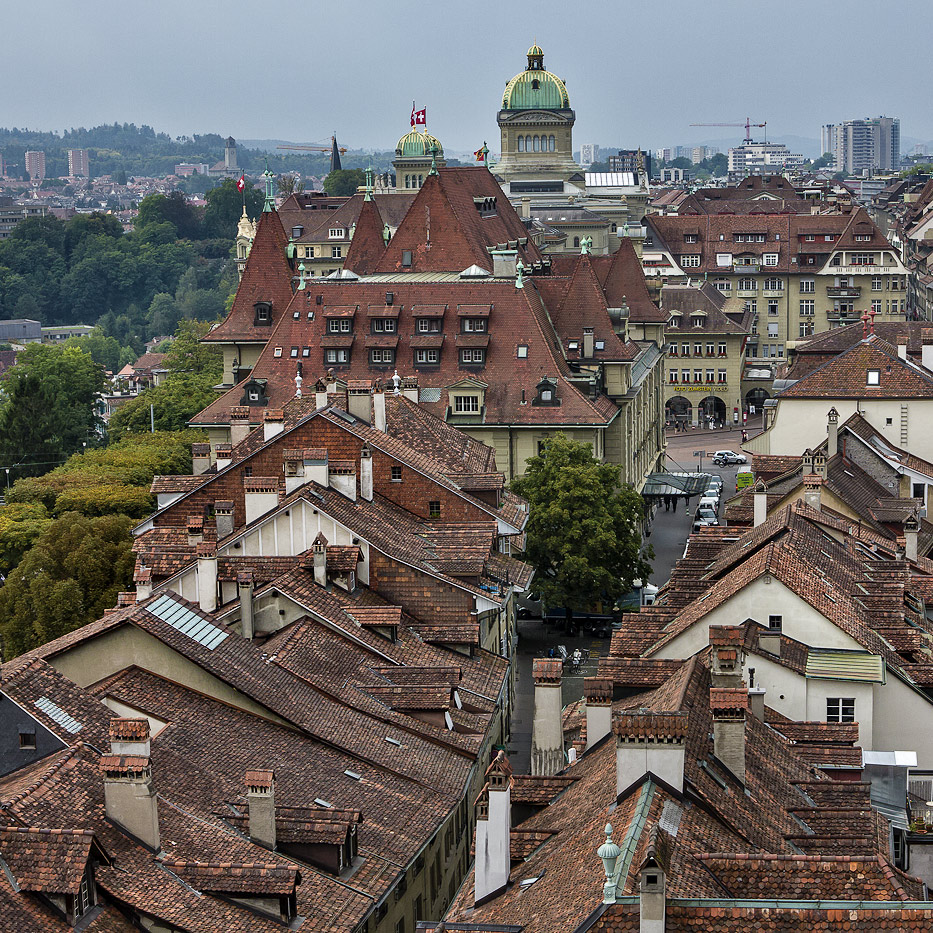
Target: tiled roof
x,y
49,861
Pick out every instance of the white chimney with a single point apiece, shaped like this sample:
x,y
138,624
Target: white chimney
x,y
379,411
200,458
526,208
652,887
143,580
223,516
321,400
647,741
811,490
129,736
504,263
366,474
728,706
760,503
239,424
926,348
597,692
244,585
359,399
224,454
902,347
316,466
342,477
130,799
589,343
207,577
261,493
832,432
911,531
494,830
319,551
756,702
273,423
547,736
260,799
195,528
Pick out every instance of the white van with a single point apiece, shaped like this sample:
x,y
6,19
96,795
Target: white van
x,y
709,502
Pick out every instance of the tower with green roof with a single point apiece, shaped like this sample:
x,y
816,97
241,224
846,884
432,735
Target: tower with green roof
x,y
415,154
536,126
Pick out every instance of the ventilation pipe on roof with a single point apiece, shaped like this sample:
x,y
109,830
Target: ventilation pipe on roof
x,y
494,830
547,736
597,692
260,799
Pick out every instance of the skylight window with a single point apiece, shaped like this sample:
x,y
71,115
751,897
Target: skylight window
x,y
874,377
57,714
189,623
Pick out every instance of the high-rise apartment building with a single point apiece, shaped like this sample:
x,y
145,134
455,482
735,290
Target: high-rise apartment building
x,y
78,163
630,160
762,159
589,153
35,165
869,145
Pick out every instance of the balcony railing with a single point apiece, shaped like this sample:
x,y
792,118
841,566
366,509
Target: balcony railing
x,y
752,268
843,291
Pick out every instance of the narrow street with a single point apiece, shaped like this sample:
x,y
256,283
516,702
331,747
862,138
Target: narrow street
x,y
668,536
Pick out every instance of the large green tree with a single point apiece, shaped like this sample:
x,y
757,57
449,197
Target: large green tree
x,y
225,205
344,181
68,578
49,407
584,528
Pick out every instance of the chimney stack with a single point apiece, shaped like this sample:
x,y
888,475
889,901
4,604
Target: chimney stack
x,y
359,399
261,494
260,799
410,388
728,706
769,641
130,799
760,503
273,423
911,532
727,654
756,701
493,830
224,454
342,477
200,458
504,262
902,347
366,473
547,736
379,411
589,343
652,884
647,741
832,432
223,515
143,580
526,208
319,551
244,585
207,577
926,348
239,424
597,692
195,526
811,490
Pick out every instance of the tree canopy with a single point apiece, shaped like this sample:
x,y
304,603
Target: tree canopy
x,y
344,181
49,407
584,529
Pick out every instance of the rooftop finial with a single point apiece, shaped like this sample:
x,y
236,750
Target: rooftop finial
x,y
298,380
396,381
519,274
433,159
269,204
609,852
369,184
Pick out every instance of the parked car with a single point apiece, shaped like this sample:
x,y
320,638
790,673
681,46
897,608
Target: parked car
x,y
723,457
714,487
710,502
703,518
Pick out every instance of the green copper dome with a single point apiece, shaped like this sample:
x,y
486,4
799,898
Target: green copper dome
x,y
535,88
418,145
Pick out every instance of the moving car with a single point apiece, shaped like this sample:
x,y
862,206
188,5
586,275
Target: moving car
x,y
723,457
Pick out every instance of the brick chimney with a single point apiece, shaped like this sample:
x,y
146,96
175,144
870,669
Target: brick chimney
x,y
494,830
200,458
832,431
130,799
727,654
547,736
273,423
597,691
207,577
359,399
811,490
366,474
760,503
195,527
261,494
223,516
647,741
319,553
728,706
239,424
260,799
244,586
143,580
224,454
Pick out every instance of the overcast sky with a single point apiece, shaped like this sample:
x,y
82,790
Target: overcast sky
x,y
637,73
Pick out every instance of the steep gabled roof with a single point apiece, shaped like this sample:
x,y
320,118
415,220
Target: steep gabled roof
x,y
367,246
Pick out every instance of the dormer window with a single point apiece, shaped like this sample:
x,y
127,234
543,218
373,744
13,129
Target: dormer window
x,y
339,326
297,231
474,325
546,391
254,392
336,233
262,314
691,238
429,325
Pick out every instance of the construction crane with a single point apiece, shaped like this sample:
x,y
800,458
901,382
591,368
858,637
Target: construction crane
x,y
334,150
747,124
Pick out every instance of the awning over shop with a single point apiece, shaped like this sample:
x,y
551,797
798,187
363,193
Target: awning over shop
x,y
676,484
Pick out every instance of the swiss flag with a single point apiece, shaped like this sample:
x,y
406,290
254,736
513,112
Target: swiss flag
x,y
241,183
419,117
